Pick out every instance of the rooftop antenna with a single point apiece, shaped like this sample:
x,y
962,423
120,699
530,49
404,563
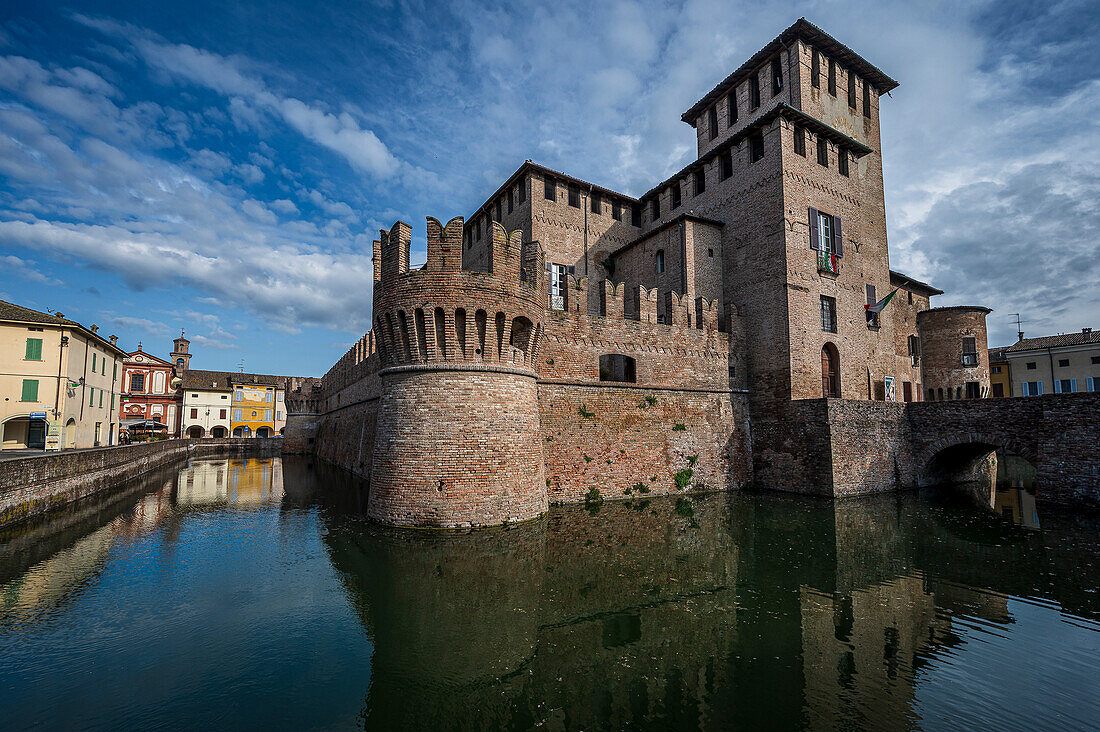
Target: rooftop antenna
x,y
1019,331
240,366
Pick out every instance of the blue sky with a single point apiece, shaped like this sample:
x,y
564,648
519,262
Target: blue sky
x,y
223,166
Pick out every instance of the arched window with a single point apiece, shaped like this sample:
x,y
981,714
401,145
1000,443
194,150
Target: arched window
x,y
617,367
940,394
931,395
520,337
660,261
830,371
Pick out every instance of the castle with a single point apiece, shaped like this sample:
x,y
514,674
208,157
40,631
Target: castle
x,y
568,340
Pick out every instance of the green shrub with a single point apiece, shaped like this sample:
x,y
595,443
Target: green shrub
x,y
679,427
692,459
593,497
641,487
585,413
683,478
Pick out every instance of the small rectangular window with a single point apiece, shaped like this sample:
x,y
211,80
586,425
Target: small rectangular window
x,y
777,76
832,77
34,349
594,202
479,229
100,397
700,180
221,413
842,162
617,210
91,396
511,200
754,91
1063,362
1030,365
194,413
523,189
1096,359
574,197
800,140
93,362
851,90
815,69
822,151
30,390
725,164
500,211
636,215
549,190
756,147
655,207
712,122
866,99
674,192
828,314
731,103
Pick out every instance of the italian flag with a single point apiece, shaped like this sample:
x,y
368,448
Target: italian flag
x,y
873,310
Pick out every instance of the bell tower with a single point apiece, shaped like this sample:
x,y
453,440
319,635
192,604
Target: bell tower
x,y
181,358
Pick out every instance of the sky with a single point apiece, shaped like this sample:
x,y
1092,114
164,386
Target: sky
x,y
222,167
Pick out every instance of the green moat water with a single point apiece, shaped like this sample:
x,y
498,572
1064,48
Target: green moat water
x,y
251,594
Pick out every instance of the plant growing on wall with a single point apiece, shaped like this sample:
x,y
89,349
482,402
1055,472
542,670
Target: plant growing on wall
x,y
683,478
679,427
585,413
593,497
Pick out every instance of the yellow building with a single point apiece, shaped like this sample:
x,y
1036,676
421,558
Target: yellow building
x,y
255,397
59,381
1000,376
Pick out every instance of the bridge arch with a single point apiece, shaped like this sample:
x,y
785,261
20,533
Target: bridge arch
x,y
968,462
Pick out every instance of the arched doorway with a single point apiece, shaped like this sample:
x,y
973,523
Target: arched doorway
x,y
263,432
195,432
830,371
218,432
70,433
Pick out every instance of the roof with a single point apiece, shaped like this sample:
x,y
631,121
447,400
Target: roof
x,y
201,380
662,227
997,354
957,308
806,31
904,279
1062,340
157,360
779,110
17,313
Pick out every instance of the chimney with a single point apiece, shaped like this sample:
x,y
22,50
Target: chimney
x,y
59,315
94,328
114,340
1086,330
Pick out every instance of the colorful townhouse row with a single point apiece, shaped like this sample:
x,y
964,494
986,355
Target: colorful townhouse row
x,y
1059,364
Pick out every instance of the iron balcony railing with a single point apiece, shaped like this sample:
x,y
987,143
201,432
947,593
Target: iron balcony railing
x,y
828,262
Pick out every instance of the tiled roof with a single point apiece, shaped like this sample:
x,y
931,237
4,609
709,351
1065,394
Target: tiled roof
x,y
904,279
11,312
199,379
1055,341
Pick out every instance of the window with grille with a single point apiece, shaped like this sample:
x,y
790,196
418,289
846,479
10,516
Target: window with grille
x,y
137,382
828,314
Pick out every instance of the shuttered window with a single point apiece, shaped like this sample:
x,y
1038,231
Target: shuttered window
x,y
34,349
815,70
851,90
30,390
93,363
731,101
970,351
777,76
826,233
832,77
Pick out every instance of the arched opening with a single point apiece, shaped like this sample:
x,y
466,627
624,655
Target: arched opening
x,y
520,337
985,474
195,432
830,371
460,330
263,432
24,432
241,432
70,433
438,319
940,394
617,367
480,319
218,432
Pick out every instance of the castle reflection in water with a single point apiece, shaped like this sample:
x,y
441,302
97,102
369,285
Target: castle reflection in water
x,y
706,612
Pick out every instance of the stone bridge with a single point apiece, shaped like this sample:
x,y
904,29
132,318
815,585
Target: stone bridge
x,y
1059,434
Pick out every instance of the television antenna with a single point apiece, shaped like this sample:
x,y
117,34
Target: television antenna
x,y
1019,330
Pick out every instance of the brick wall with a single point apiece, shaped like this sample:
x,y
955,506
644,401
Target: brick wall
x,y
941,332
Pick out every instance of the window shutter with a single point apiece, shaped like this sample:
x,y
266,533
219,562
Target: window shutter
x,y
1040,384
871,295
1073,386
30,390
1057,386
838,237
813,229
1089,384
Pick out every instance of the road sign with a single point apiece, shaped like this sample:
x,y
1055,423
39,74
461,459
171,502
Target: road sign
x,y
38,415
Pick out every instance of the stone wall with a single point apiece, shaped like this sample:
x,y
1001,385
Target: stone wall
x,y
34,485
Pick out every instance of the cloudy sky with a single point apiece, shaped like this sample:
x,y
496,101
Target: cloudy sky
x,y
223,166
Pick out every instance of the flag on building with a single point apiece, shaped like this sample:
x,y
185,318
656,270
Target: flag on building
x,y
876,308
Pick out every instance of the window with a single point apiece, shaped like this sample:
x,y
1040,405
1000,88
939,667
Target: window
x,y
93,362
712,122
1096,359
137,383
832,77
1063,362
267,415
907,391
866,99
30,390
674,191
617,210
655,208
756,147
700,180
91,396
822,151
910,294
970,351
1033,388
973,390
103,366
815,69
710,252
872,298
851,90
659,260
594,202
777,76
101,398
236,414
800,140
239,395
731,102
1094,383
225,396
34,349
725,164
511,199
828,314
268,396
636,215
830,371
574,197
1030,365
1065,386
994,369
479,229
931,395
114,371
558,285
221,413
842,162
914,349
754,91
523,189
549,191
195,413
617,367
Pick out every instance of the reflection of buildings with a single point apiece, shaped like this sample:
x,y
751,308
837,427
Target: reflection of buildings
x,y
237,481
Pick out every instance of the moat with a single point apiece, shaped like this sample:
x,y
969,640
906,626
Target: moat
x,y
253,593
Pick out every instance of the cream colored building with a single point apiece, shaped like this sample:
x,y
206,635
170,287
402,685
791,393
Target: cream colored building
x,y
1058,364
207,404
59,381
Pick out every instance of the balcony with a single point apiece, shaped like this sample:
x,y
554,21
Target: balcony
x,y
828,263
970,359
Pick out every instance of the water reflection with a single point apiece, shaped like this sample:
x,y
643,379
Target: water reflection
x,y
709,612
